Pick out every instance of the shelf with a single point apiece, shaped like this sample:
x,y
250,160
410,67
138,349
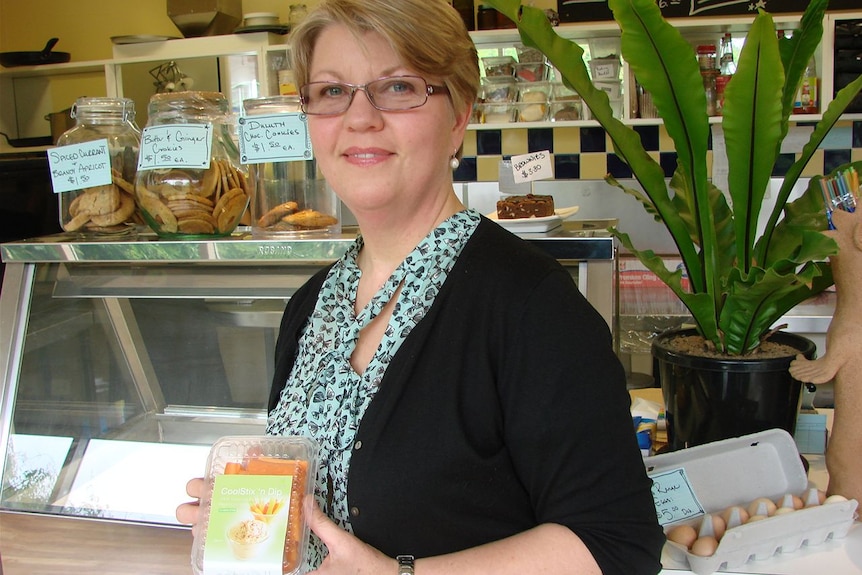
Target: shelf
x,y
46,70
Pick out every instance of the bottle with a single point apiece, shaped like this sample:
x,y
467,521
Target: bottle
x,y
706,57
727,64
189,182
108,209
806,101
710,90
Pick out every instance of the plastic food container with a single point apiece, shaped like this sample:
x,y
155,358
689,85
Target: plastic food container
x,y
604,47
499,89
495,113
612,88
531,111
605,68
531,71
253,520
567,110
710,478
499,66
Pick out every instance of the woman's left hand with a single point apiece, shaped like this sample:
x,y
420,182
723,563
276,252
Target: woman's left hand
x,y
347,554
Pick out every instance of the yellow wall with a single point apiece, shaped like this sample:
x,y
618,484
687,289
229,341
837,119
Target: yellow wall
x,y
85,27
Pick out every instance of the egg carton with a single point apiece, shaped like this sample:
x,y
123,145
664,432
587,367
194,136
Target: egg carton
x,y
737,471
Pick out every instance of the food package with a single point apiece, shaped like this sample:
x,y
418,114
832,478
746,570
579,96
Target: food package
x,y
690,484
253,520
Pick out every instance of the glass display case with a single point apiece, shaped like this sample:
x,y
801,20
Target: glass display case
x,y
123,361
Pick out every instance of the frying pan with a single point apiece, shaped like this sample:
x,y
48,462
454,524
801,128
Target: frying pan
x,y
46,56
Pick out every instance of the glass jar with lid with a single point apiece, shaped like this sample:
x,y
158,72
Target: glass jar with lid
x,y
96,190
190,183
290,198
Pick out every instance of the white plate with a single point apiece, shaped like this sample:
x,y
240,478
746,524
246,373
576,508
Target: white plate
x,y
536,225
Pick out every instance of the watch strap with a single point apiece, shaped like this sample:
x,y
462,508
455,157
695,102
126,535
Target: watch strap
x,y
406,564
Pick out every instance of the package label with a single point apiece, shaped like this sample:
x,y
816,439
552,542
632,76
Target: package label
x,y
79,166
674,497
274,138
176,146
247,525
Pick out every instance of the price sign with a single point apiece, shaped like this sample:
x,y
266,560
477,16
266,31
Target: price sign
x,y
674,497
532,166
79,166
274,138
176,146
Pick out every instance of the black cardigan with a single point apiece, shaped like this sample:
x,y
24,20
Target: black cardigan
x,y
503,409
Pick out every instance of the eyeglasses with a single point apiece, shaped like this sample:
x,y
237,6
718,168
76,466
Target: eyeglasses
x,y
387,94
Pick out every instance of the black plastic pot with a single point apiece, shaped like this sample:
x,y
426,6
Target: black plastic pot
x,y
708,399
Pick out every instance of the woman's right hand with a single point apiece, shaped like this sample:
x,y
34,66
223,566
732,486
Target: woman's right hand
x,y
190,513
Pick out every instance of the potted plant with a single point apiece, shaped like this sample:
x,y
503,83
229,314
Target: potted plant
x,y
738,282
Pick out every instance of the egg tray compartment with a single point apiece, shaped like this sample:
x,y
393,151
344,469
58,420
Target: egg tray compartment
x,y
735,472
239,450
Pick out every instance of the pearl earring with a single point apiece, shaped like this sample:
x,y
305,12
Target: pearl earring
x,y
454,163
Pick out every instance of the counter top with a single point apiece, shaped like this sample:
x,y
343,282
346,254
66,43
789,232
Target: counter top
x,y
577,242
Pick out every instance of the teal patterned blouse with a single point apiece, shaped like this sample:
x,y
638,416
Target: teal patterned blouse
x,y
324,398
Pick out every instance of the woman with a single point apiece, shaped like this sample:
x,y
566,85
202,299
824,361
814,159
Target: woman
x,y
469,407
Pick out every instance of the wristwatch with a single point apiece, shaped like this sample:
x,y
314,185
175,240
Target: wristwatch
x,y
406,564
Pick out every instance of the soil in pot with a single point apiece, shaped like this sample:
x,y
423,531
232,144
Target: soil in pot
x,y
713,398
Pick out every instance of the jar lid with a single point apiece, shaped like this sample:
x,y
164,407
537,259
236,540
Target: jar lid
x,y
705,48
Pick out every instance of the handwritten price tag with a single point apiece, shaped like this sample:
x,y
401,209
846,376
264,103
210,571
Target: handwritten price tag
x,y
674,497
533,166
79,166
274,138
176,146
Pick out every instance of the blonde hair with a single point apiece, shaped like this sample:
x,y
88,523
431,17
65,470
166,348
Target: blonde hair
x,y
428,36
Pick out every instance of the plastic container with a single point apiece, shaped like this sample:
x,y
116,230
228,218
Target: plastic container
x,y
253,520
189,182
736,472
108,209
604,47
531,71
499,66
605,69
531,111
613,88
289,198
499,89
495,113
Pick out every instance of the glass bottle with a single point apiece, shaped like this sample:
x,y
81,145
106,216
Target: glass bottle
x,y
289,197
710,90
190,183
727,64
109,208
806,100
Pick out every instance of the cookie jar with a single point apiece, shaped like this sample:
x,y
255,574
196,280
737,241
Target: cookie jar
x,y
190,184
289,198
98,197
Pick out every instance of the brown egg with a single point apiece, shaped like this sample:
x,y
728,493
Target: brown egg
x,y
790,501
814,497
712,525
704,546
734,515
768,507
683,534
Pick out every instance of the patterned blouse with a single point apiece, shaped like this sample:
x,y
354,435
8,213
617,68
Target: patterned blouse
x,y
324,398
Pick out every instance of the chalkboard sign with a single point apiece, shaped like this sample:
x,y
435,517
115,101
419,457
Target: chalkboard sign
x,y
597,10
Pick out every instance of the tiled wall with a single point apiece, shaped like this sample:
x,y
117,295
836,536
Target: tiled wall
x,y
586,153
